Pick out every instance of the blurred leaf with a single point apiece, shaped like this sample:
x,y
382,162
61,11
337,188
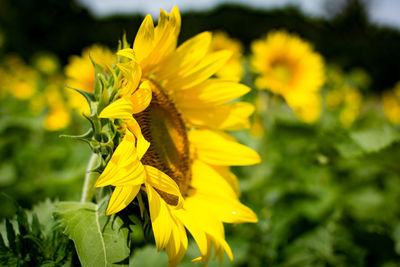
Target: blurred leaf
x,y
372,140
7,174
148,256
99,240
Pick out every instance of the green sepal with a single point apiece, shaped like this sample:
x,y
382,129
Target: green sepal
x,y
125,43
104,100
89,96
98,69
86,137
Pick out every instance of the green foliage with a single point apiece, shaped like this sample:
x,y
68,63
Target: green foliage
x,y
36,164
99,240
33,239
325,195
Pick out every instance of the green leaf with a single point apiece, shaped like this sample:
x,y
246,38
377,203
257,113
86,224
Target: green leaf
x,y
99,240
11,235
373,140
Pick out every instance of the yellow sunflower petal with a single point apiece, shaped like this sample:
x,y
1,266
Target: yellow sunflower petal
x,y
204,228
221,246
119,109
194,228
121,197
161,181
226,209
142,144
230,117
126,146
141,98
186,56
127,52
160,218
208,66
124,167
210,92
229,177
165,39
207,179
218,148
144,38
178,243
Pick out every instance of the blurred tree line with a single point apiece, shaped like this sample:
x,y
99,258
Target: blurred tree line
x,y
346,37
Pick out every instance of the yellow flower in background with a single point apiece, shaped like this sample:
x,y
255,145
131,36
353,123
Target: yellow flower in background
x,y
288,66
391,104
18,79
307,107
233,69
59,116
343,96
47,63
3,82
80,72
174,148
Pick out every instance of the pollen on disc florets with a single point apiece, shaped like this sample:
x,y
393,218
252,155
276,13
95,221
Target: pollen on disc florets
x,y
163,127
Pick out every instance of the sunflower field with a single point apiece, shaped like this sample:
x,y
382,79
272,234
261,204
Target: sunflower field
x,y
227,137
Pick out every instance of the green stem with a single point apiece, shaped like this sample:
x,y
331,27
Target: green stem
x,y
89,190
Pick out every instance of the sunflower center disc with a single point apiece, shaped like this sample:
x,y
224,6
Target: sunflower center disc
x,y
281,72
164,128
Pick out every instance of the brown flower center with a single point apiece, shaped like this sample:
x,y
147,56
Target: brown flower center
x,y
164,128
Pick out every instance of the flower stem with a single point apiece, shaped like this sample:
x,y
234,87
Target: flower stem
x,y
89,190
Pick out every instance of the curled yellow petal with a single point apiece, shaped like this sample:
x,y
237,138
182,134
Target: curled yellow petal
x,y
162,182
121,108
160,218
177,244
121,197
142,144
127,52
141,98
124,167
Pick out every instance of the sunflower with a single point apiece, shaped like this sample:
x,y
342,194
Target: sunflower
x,y
391,104
174,148
233,69
80,73
288,66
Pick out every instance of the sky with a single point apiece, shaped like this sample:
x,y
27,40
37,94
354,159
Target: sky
x,y
383,12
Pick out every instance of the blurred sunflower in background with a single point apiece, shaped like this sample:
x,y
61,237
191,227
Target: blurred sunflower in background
x,y
344,95
391,104
173,148
233,68
19,80
80,72
288,66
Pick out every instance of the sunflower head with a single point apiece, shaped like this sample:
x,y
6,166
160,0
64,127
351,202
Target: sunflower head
x,y
391,104
157,119
288,66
